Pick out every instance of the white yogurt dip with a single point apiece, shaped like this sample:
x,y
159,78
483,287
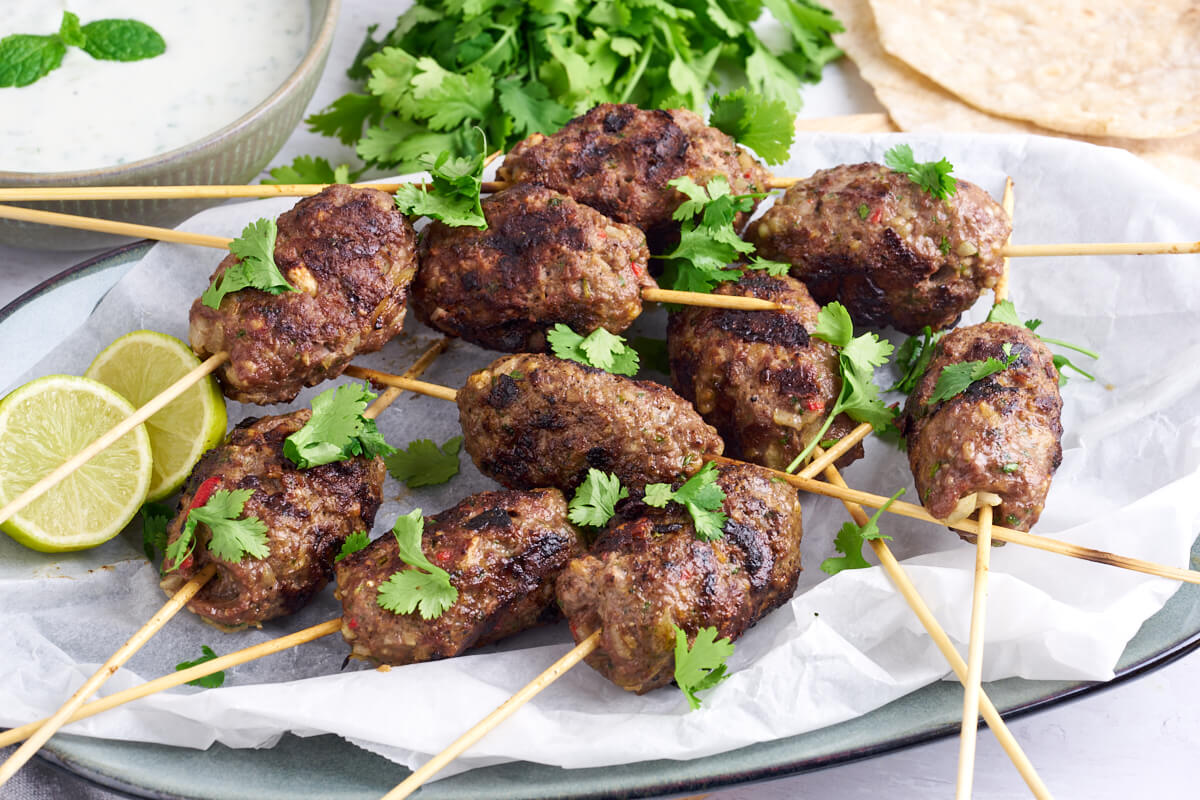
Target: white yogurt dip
x,y
223,58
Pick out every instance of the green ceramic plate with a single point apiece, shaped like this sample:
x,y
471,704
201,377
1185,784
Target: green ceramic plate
x,y
329,768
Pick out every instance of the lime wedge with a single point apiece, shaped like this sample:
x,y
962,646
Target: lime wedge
x,y
42,424
141,364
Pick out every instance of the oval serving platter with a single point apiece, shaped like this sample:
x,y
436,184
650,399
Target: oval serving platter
x,y
329,767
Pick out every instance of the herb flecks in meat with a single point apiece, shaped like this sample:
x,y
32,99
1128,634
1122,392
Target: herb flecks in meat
x,y
850,539
425,588
337,429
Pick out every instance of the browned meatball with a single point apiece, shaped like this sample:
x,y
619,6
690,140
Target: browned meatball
x,y
757,376
308,514
618,159
1001,435
543,259
649,573
503,551
350,255
535,420
888,250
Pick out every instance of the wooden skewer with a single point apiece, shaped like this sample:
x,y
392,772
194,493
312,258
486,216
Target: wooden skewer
x,y
183,676
48,727
898,576
502,712
125,426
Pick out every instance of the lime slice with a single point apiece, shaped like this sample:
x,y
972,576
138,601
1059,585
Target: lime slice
x,y
141,364
42,424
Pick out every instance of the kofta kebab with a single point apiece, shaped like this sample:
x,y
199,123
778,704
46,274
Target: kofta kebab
x,y
351,256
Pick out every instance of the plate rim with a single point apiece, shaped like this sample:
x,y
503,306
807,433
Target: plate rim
x,y
60,758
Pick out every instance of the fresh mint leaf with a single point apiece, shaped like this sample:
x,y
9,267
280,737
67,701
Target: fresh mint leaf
x,y
212,681
701,666
425,588
932,176
423,463
596,498
337,429
122,40
25,58
70,32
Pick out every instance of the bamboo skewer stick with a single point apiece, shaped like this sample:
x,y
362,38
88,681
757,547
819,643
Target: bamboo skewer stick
x,y
48,727
502,712
866,498
970,721
186,592
183,676
887,560
125,426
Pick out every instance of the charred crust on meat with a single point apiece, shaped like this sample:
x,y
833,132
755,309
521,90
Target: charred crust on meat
x,y
756,326
504,392
492,518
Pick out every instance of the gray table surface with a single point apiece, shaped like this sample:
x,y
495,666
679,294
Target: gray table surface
x,y
1137,741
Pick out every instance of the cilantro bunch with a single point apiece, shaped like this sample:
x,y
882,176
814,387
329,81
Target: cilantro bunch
x,y
513,69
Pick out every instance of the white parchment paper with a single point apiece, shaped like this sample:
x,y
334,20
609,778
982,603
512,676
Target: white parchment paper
x,y
844,646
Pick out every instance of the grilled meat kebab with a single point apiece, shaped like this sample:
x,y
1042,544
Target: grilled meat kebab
x,y
885,248
350,255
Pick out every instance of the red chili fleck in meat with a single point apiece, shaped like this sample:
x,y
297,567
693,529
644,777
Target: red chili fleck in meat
x,y
603,235
877,214
637,268
814,405
205,492
352,624
442,556
186,564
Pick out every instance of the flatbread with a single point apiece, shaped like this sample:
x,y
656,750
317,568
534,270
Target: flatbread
x,y
1096,68
916,103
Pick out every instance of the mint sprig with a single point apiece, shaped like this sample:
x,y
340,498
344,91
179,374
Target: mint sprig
x,y
26,58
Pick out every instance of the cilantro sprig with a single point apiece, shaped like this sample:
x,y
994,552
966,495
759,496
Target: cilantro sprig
x,y
425,588
932,176
453,196
851,538
309,169
424,463
707,242
1006,312
702,666
858,357
337,429
596,498
155,518
353,543
26,58
232,538
256,268
954,379
514,69
765,126
702,498
212,681
600,349
913,357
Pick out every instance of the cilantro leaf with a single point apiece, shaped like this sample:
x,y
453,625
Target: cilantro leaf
x,y
212,681
932,176
155,518
1006,312
232,539
599,349
454,195
700,496
354,542
345,117
532,108
850,539
307,169
913,359
256,269
423,463
337,429
776,269
954,379
425,588
765,126
707,244
858,358
596,498
702,666
122,40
